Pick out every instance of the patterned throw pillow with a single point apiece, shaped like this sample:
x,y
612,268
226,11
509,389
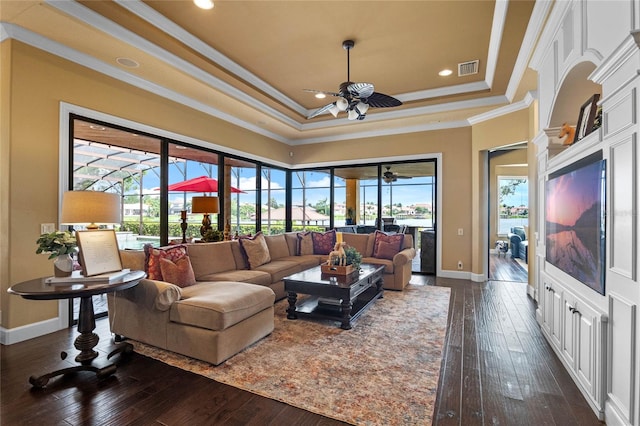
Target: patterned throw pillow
x,y
153,256
179,272
323,242
386,246
255,250
305,243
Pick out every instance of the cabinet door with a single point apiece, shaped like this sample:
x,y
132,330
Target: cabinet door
x,y
568,326
556,306
546,307
586,323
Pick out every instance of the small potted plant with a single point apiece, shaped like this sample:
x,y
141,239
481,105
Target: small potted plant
x,y
350,217
353,257
60,245
213,235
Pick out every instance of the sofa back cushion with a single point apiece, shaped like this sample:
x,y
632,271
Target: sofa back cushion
x,y
211,258
292,242
132,259
360,242
305,244
278,247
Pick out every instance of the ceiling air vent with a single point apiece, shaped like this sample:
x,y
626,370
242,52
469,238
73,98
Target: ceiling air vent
x,y
468,68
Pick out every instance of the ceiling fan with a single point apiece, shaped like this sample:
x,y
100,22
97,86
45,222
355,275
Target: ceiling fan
x,y
390,176
354,98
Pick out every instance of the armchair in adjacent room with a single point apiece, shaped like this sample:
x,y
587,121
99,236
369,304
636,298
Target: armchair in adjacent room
x,y
518,243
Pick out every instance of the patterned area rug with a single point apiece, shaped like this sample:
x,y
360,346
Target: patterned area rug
x,y
384,371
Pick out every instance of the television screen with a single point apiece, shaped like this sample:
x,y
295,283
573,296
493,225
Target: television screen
x,y
574,217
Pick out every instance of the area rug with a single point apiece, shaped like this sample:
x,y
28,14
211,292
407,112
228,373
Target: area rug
x,y
384,371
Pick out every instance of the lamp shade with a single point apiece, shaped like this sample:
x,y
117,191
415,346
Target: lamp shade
x,y
204,205
90,207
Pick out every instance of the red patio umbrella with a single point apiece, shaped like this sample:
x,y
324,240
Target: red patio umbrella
x,y
199,184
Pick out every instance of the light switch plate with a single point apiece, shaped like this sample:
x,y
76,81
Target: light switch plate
x,y
47,228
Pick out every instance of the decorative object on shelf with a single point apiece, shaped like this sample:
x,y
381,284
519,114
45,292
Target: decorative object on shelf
x,y
597,122
90,207
569,132
587,117
338,256
206,205
60,245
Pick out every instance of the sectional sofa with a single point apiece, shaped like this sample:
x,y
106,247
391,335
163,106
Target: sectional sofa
x,y
229,302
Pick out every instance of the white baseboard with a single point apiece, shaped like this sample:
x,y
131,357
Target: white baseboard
x,y
611,415
531,291
460,275
29,331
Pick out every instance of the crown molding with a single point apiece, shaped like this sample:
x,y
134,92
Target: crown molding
x,y
507,109
55,48
167,26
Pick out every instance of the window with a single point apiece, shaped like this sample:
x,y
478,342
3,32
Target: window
x,y
311,195
513,203
274,193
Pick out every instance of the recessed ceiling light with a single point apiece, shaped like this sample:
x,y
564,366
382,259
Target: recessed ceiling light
x,y
127,62
181,147
94,127
320,95
204,4
445,73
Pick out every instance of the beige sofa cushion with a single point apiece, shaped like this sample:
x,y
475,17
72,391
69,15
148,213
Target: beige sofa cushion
x,y
241,275
217,306
278,247
278,269
210,258
363,243
132,259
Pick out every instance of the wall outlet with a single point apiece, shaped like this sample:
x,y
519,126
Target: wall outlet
x,y
460,264
460,231
47,228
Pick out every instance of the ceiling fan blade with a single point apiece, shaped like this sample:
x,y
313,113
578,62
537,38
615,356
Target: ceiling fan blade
x,y
322,110
380,100
323,92
360,90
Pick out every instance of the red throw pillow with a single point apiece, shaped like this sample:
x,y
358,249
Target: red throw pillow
x,y
323,242
179,272
153,256
386,246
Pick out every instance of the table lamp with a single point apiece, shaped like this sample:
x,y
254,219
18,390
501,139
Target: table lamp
x,y
206,205
90,208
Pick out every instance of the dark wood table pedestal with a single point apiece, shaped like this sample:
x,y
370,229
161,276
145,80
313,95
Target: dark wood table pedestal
x,y
39,289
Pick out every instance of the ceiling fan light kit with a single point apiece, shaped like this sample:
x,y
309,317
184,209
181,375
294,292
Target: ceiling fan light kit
x,y
354,98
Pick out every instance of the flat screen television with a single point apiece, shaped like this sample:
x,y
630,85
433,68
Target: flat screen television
x,y
575,220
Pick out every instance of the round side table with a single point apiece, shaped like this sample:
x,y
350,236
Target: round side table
x,y
40,289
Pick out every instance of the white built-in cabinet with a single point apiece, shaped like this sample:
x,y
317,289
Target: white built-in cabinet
x,y
577,333
589,45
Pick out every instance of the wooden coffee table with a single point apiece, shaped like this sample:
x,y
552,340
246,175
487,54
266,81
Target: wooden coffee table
x,y
337,297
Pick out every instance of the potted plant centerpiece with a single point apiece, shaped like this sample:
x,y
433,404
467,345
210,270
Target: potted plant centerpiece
x,y
343,260
60,245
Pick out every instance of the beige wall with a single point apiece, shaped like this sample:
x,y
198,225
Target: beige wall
x,y
38,82
502,131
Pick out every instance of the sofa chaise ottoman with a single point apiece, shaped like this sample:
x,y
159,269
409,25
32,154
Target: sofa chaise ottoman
x,y
210,321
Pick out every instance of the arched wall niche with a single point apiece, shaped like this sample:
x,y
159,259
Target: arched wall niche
x,y
575,90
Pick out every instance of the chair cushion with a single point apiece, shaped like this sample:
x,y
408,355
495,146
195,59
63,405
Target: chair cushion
x,y
217,306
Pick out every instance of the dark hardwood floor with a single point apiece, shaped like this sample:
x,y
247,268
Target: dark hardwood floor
x,y
497,369
504,268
